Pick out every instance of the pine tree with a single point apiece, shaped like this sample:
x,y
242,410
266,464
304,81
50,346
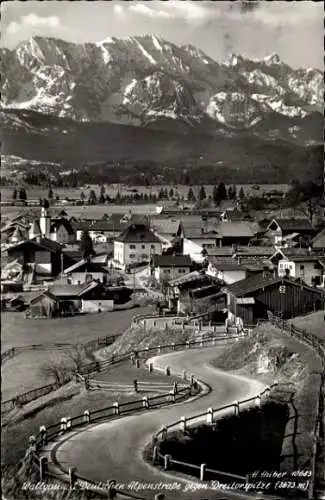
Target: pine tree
x,y
82,196
171,193
241,193
14,194
234,192
92,200
230,194
86,245
222,191
190,195
215,195
22,194
161,194
202,194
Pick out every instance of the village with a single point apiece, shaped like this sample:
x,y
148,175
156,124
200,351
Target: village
x,y
222,265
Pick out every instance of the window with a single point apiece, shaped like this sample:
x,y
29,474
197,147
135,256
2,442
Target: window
x,y
143,246
132,247
144,256
180,270
132,255
302,267
152,246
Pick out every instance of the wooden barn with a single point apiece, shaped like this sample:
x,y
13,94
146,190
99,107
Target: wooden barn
x,y
251,298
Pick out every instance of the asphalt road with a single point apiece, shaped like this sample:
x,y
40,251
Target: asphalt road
x,y
113,450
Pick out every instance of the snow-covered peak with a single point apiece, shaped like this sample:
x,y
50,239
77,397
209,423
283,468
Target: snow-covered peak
x,y
106,40
272,59
232,60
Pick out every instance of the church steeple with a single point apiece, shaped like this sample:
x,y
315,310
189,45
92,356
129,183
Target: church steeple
x,y
45,220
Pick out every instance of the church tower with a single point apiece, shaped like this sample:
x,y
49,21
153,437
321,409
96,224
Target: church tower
x,y
45,222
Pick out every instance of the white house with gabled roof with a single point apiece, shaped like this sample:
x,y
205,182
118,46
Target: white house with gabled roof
x,y
137,243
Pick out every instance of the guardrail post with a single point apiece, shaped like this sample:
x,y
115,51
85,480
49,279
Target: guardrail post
x,y
147,350
209,417
63,424
236,407
187,343
43,434
150,366
173,346
183,424
167,371
202,471
72,476
112,489
164,431
145,402
258,400
159,496
158,349
32,441
166,462
86,417
155,454
267,392
135,385
116,408
42,468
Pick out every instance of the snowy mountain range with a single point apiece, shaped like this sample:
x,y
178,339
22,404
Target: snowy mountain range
x,y
149,82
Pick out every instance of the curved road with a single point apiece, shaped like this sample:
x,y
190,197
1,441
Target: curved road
x,y
114,449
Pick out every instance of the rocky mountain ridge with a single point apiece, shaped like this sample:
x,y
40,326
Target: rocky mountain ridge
x,y
149,82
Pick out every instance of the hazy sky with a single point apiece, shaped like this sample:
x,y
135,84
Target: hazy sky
x,y
294,30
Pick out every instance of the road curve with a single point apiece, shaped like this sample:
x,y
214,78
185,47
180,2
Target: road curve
x,y
113,449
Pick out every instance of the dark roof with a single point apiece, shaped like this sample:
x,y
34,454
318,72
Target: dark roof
x,y
294,224
236,215
242,229
298,254
138,233
260,280
205,291
86,266
226,264
57,223
319,240
171,260
44,243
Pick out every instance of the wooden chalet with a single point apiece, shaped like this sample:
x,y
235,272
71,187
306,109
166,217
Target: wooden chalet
x,y
251,298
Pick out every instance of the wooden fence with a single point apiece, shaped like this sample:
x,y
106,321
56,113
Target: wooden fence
x,y
209,417
27,397
318,346
49,434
